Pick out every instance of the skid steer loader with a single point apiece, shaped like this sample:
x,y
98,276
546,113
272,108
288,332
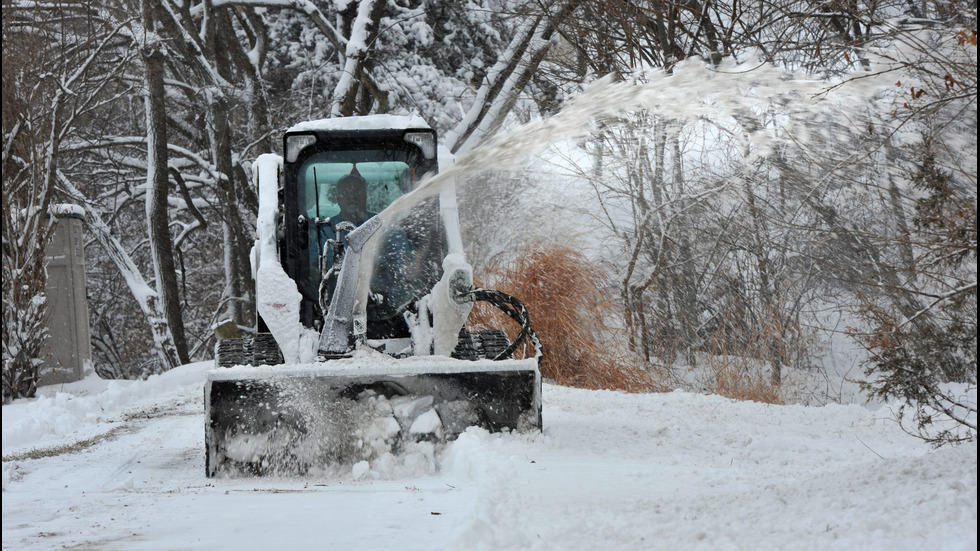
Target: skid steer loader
x,y
362,293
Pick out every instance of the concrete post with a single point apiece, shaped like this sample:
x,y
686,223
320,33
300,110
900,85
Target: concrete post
x,y
68,351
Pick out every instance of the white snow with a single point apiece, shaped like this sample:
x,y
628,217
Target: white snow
x,y
448,316
366,362
368,122
279,299
610,471
427,423
67,209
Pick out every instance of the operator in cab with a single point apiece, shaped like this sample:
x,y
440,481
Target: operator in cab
x,y
396,253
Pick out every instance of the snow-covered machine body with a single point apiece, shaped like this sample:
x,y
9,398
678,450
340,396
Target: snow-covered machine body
x,y
362,296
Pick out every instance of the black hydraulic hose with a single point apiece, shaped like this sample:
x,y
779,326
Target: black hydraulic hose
x,y
516,311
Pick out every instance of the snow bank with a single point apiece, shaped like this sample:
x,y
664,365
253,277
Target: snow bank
x,y
687,471
65,414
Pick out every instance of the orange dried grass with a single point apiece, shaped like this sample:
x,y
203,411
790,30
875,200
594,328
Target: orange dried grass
x,y
744,376
564,295
734,380
737,368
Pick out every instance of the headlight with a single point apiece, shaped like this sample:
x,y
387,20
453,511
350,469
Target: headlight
x,y
425,140
295,144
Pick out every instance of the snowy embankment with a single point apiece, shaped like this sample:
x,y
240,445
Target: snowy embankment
x,y
611,471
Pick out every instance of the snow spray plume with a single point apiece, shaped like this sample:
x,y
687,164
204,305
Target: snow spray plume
x,y
727,93
683,95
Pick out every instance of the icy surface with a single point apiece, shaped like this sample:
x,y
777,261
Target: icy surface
x,y
610,471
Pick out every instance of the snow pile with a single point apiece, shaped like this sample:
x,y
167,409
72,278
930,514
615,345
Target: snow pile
x,y
65,414
367,438
685,471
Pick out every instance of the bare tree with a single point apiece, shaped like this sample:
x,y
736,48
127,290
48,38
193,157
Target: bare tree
x,y
43,111
170,334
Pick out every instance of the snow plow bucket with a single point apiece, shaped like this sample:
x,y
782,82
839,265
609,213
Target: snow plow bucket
x,y
285,421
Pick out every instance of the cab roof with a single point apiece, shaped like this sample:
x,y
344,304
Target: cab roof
x,y
369,122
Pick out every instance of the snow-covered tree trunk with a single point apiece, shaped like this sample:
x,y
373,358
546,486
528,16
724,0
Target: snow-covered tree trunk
x,y
506,80
220,55
759,247
686,278
168,329
354,77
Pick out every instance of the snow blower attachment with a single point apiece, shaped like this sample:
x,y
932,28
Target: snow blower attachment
x,y
362,291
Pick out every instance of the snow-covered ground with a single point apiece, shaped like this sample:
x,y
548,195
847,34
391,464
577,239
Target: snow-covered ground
x,y
610,471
